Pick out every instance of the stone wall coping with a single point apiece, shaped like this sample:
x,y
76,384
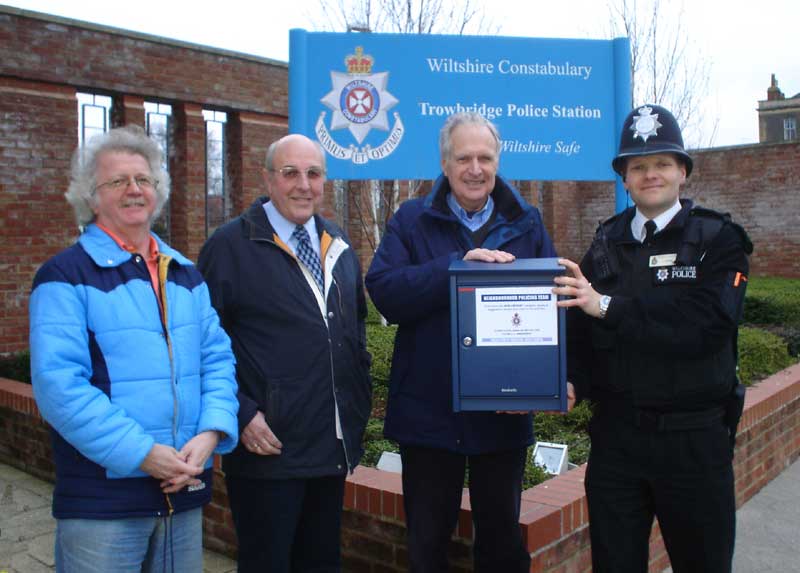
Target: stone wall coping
x,y
61,20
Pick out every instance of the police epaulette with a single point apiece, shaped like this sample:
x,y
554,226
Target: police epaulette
x,y
725,219
705,211
608,222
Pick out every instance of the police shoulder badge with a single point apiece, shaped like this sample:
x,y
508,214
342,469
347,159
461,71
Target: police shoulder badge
x,y
359,101
645,124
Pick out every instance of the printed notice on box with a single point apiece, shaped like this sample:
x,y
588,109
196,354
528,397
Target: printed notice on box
x,y
516,316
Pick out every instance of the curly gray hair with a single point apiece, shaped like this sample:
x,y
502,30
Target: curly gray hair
x,y
83,184
463,118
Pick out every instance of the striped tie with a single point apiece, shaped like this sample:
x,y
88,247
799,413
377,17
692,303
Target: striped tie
x,y
307,255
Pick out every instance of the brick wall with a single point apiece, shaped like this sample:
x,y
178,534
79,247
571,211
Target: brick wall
x,y
553,519
760,186
62,51
44,61
35,220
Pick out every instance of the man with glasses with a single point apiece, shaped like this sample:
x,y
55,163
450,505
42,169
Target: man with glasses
x,y
474,214
289,292
131,369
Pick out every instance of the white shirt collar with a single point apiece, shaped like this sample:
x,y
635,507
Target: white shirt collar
x,y
661,221
284,228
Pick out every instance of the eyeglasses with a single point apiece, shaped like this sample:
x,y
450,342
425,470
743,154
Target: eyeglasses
x,y
292,173
142,182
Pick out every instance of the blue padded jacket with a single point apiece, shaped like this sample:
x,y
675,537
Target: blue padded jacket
x,y
113,374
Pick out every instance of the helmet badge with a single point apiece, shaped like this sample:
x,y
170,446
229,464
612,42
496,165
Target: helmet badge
x,y
645,125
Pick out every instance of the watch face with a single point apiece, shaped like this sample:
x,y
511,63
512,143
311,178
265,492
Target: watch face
x,y
604,300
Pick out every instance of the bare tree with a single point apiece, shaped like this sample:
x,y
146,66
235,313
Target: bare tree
x,y
667,68
402,17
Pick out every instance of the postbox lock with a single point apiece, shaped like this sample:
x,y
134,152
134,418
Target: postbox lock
x,y
467,341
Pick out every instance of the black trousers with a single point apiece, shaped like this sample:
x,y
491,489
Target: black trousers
x,y
684,478
433,481
287,526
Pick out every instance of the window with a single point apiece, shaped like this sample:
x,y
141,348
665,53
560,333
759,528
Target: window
x,y
789,129
157,125
217,200
93,115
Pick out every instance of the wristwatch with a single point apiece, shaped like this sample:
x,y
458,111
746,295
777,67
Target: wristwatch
x,y
605,300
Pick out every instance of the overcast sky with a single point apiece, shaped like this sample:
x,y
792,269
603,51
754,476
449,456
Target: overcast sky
x,y
744,41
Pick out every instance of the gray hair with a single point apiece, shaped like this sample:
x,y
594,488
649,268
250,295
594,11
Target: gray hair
x,y
273,148
464,118
83,183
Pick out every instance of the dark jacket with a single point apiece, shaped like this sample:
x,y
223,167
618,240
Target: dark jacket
x,y
291,365
668,341
409,283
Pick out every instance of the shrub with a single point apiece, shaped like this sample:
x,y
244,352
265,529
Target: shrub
x,y
761,354
16,366
773,300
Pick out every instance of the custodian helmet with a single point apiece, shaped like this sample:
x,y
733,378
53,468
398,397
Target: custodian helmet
x,y
650,129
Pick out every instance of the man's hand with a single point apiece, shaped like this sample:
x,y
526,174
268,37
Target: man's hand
x,y
570,396
258,438
585,297
489,256
168,464
196,451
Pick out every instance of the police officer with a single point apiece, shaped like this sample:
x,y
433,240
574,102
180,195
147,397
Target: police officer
x,y
654,308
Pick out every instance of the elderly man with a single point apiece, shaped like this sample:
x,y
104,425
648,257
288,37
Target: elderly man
x,y
653,344
472,214
131,369
289,292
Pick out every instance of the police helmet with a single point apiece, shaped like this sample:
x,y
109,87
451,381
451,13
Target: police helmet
x,y
648,130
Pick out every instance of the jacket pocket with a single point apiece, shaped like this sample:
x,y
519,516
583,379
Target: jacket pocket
x,y
296,405
609,370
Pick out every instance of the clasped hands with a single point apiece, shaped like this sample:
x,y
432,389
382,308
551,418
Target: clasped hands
x,y
178,469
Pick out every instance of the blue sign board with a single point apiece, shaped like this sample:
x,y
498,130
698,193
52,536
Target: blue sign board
x,y
376,102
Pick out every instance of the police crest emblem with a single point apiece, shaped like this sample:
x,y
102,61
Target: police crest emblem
x,y
645,124
359,102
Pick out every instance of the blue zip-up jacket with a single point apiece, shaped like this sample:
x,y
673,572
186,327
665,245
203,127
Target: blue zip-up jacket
x,y
409,283
113,376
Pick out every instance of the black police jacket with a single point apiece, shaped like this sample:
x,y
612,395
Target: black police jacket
x,y
291,363
668,341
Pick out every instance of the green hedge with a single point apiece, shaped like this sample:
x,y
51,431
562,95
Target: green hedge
x,y
761,353
773,301
16,367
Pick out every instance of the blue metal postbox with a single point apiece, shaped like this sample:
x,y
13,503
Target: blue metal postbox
x,y
508,336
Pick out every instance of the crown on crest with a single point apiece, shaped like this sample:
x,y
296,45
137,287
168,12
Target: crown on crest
x,y
358,63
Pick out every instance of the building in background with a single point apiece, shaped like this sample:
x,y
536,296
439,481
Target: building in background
x,y
215,112
778,116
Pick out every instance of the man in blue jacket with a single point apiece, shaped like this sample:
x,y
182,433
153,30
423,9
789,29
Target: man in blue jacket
x,y
131,369
289,292
471,214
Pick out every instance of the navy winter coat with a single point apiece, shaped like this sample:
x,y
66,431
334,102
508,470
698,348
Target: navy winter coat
x,y
409,283
292,362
